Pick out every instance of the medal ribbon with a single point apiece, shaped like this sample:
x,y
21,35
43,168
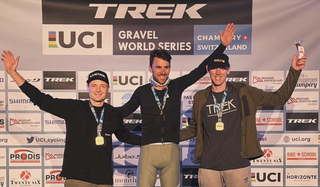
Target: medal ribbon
x,y
219,110
99,122
161,106
155,83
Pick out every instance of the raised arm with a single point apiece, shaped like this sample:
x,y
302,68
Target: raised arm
x,y
11,64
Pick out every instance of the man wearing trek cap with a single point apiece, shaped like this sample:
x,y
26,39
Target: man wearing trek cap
x,y
224,123
89,126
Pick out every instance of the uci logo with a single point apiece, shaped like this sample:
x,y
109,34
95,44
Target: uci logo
x,y
125,80
64,39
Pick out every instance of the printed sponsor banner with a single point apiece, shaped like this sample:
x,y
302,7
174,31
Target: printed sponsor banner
x,y
3,125
239,76
133,122
190,177
65,80
53,179
77,39
24,122
301,176
273,156
52,123
288,139
207,39
269,121
267,80
302,121
301,156
126,156
267,176
2,80
125,176
3,177
18,101
309,80
3,158
2,101
25,177
33,77
187,100
303,101
185,120
53,156
25,157
32,140
165,12
128,80
140,40
187,156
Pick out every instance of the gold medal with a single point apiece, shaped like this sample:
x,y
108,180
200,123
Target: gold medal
x,y
219,126
99,140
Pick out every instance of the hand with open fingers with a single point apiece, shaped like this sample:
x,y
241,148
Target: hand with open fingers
x,y
10,63
227,37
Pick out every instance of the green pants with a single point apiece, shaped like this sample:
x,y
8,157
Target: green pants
x,y
165,158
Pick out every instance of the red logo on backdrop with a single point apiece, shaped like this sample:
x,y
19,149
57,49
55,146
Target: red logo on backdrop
x,y
292,100
267,153
245,37
54,177
25,175
50,156
257,79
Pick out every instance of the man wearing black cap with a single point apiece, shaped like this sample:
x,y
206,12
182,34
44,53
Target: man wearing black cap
x,y
224,123
89,124
160,103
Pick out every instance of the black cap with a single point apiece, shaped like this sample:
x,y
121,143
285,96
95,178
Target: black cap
x,y
98,75
218,61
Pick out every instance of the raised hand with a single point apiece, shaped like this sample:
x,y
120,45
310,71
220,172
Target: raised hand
x,y
298,64
10,63
227,37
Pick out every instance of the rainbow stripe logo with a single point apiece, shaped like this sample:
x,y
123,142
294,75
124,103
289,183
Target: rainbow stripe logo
x,y
52,39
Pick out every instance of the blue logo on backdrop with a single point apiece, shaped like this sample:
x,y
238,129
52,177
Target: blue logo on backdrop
x,y
207,39
30,140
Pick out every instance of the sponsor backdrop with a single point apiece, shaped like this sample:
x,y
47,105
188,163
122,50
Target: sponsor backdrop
x,y
61,41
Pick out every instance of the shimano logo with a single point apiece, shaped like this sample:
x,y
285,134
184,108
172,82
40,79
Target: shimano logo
x,y
149,11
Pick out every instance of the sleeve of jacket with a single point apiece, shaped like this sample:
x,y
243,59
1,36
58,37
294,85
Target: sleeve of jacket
x,y
59,107
188,132
279,97
124,135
